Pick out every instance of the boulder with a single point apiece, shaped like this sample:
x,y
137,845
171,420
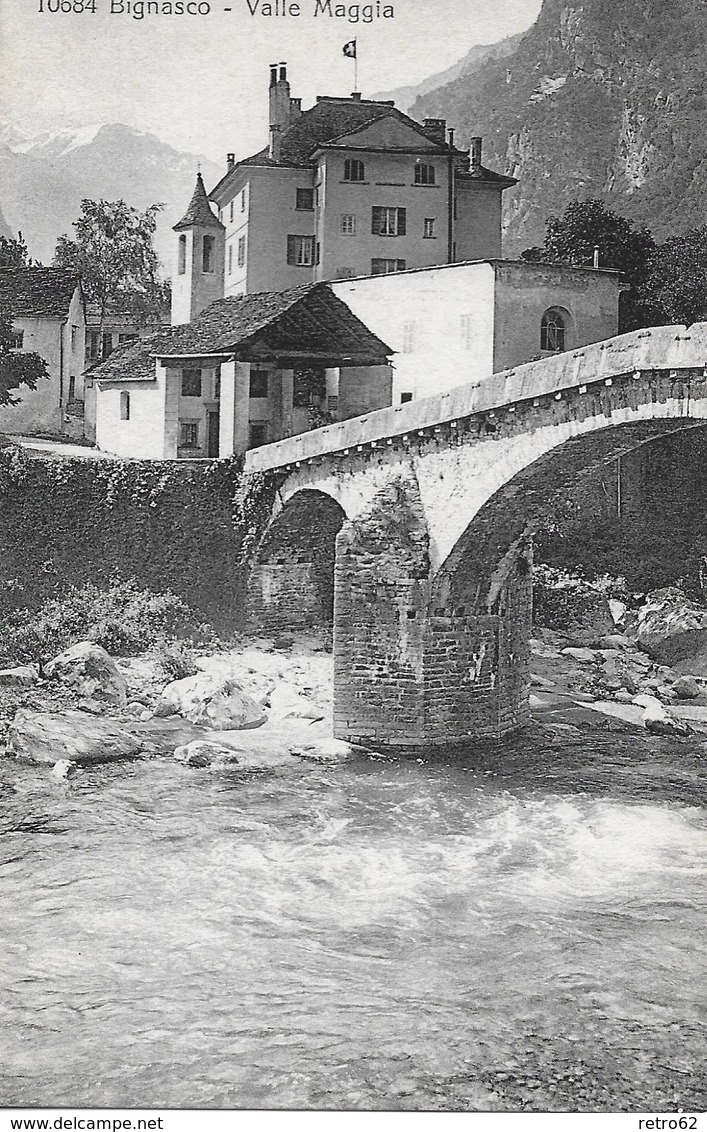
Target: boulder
x,y
658,720
285,703
72,736
90,668
324,750
64,768
211,701
23,677
671,628
686,688
586,656
202,752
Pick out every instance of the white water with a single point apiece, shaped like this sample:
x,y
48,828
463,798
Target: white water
x,y
374,935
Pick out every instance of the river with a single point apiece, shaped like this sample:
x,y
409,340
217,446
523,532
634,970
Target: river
x,y
526,933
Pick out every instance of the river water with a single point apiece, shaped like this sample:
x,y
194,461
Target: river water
x,y
526,933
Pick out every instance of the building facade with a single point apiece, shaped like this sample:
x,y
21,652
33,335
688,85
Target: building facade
x,y
48,316
348,187
466,321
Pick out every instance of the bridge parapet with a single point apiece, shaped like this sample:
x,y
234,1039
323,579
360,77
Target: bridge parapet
x,y
658,348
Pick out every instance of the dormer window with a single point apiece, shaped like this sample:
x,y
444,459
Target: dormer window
x,y
424,174
553,328
208,255
354,170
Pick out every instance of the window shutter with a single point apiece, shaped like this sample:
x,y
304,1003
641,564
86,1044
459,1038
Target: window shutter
x,y
376,221
291,249
402,221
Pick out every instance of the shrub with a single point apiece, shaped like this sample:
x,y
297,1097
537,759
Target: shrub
x,y
122,619
174,660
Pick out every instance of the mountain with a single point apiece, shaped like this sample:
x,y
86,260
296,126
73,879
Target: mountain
x,y
600,98
405,96
43,180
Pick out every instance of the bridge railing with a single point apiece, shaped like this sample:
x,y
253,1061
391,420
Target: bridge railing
x,y
657,348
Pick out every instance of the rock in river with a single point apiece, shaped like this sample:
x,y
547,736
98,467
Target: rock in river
x,y
211,701
658,720
92,670
76,736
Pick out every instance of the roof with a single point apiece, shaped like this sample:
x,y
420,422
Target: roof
x,y
481,173
133,362
325,123
305,320
199,210
37,292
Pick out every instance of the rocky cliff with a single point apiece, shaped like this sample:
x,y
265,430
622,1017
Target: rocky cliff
x,y
600,98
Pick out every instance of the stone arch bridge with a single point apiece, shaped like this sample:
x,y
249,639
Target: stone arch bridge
x,y
414,526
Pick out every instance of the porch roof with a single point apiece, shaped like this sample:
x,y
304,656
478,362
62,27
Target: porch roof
x,y
306,322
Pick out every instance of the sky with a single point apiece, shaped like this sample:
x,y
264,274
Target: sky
x,y
200,82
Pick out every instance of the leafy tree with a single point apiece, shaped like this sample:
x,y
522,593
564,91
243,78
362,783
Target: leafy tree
x,y
114,254
589,224
13,253
16,368
677,282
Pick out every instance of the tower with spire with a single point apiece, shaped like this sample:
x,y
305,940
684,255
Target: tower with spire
x,y
198,280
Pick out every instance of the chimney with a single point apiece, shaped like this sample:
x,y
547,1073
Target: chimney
x,y
475,155
230,162
275,142
435,129
295,109
279,97
450,135
596,256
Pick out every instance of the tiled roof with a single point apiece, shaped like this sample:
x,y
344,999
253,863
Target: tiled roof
x,y
306,319
133,362
37,292
325,122
199,211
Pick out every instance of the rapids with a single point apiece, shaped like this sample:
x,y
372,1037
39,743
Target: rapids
x,y
523,934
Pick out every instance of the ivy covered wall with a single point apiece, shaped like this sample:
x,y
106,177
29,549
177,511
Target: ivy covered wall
x,y
182,527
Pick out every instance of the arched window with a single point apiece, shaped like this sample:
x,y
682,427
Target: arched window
x,y
553,328
182,259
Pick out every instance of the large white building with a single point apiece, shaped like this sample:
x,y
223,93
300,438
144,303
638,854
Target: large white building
x,y
348,187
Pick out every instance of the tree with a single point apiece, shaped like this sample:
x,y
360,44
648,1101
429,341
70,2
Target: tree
x,y
16,368
589,224
677,282
114,255
13,253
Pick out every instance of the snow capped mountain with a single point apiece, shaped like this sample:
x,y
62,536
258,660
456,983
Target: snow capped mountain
x,y
44,177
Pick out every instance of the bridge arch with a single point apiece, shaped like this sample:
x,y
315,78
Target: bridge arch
x,y
291,580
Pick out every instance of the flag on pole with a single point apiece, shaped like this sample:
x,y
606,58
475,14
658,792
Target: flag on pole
x,y
350,49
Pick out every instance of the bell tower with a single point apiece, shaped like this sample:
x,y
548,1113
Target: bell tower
x,y
198,279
